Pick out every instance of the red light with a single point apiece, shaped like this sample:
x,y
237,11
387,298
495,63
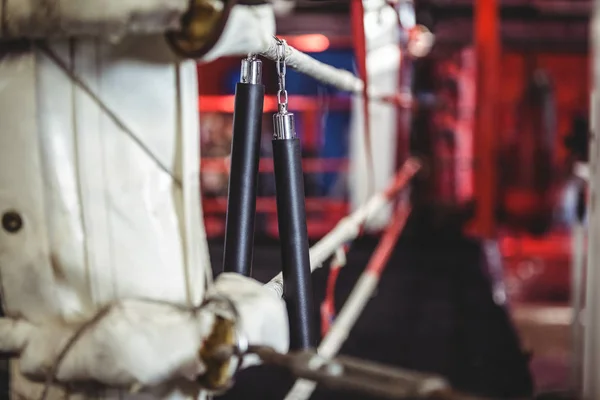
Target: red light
x,y
314,43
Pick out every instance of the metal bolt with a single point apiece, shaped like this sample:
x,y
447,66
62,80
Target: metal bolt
x,y
12,221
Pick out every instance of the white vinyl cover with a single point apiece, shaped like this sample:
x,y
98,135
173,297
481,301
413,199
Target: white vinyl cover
x,y
146,346
108,18
104,214
383,65
100,157
110,203
249,29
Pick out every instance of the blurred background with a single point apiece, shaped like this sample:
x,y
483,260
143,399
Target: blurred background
x,y
497,199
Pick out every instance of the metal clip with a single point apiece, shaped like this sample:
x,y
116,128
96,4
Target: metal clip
x,y
283,121
251,70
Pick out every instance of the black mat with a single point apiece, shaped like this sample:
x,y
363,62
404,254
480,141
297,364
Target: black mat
x,y
433,312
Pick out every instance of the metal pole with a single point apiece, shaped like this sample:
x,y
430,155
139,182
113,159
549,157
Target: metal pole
x,y
487,52
591,370
243,176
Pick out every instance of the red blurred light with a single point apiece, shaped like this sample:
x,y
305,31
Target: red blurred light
x,y
313,43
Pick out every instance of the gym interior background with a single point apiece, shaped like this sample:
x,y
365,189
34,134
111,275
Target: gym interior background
x,y
437,308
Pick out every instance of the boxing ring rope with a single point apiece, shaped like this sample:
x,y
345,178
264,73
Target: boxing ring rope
x,y
358,299
349,228
339,78
301,62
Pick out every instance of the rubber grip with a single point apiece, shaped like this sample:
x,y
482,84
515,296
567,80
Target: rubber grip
x,y
243,178
291,211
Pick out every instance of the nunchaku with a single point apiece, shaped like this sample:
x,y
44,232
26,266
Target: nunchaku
x,y
289,186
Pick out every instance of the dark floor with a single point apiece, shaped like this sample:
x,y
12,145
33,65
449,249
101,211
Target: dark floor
x,y
545,331
433,312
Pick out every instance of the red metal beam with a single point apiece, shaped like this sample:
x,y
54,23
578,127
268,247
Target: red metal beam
x,y
224,103
309,165
335,209
487,48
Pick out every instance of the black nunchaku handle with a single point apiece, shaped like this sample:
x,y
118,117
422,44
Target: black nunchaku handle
x,y
291,215
243,178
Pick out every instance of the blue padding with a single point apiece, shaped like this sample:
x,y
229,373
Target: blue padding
x,y
232,79
301,84
335,145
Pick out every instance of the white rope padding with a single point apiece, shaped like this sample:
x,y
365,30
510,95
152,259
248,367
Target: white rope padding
x,y
301,62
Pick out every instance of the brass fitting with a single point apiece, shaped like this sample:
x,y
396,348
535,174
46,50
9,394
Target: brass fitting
x,y
222,352
202,26
216,354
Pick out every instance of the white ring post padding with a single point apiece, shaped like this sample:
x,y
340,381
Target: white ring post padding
x,y
109,18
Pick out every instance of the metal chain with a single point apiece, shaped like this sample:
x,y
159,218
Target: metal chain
x,y
282,96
